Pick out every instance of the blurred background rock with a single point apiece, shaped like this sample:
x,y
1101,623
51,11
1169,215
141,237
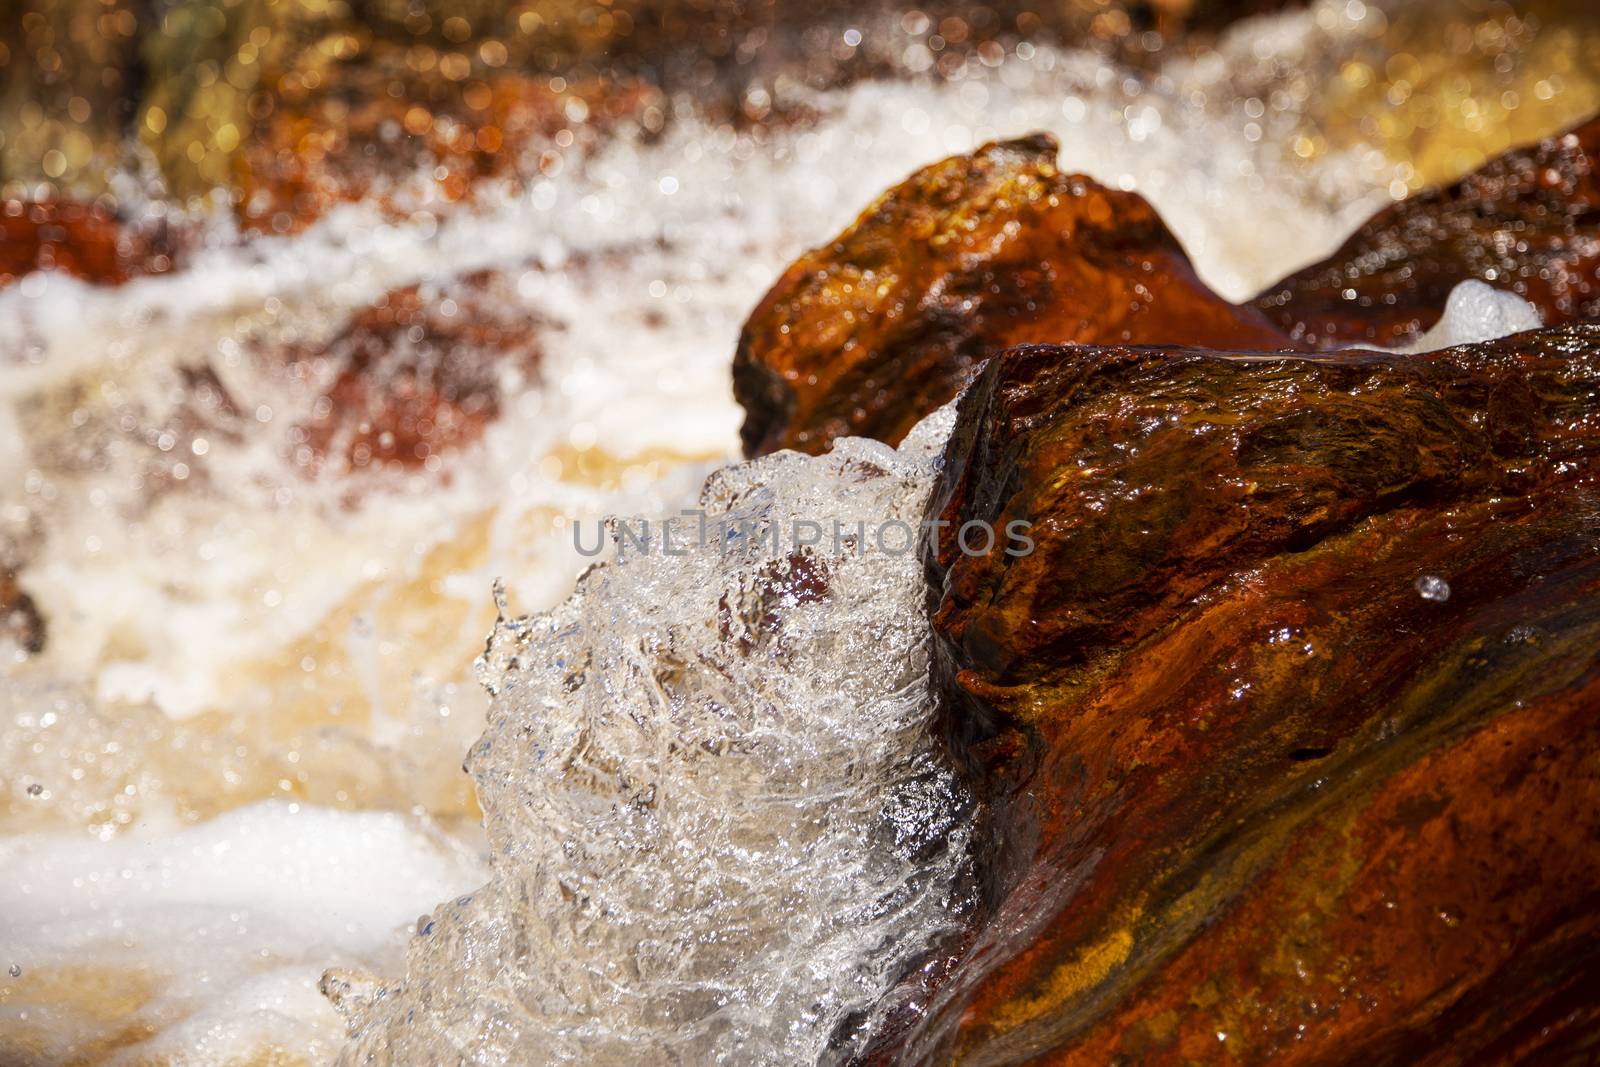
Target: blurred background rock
x,y
272,110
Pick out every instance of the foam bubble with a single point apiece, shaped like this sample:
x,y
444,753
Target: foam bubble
x,y
1477,312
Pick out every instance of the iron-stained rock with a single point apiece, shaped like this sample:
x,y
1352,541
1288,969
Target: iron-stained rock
x,y
419,373
1288,725
81,239
867,334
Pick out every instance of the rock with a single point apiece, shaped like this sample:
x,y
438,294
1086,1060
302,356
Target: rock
x,y
867,334
82,239
21,624
318,150
1287,726
1436,87
1528,221
419,373
409,107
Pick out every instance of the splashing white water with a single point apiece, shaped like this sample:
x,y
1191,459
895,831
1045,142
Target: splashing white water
x,y
250,905
721,828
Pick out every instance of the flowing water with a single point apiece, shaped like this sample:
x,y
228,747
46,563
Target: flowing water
x,y
721,827
237,762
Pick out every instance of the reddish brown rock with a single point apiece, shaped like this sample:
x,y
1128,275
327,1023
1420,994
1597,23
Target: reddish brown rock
x,y
404,106
1528,221
83,240
21,624
1289,727
416,375
867,334
357,139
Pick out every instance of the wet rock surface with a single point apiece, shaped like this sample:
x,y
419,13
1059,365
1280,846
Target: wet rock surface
x,y
289,108
867,334
1528,221
1287,726
319,150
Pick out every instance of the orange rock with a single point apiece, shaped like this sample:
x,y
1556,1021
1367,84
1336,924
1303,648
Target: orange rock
x,y
1286,728
360,139
867,334
81,239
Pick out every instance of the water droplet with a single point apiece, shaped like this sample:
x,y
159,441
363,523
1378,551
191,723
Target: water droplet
x,y
1432,587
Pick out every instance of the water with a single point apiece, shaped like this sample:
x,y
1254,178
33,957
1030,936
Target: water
x,y
257,679
721,828
1477,312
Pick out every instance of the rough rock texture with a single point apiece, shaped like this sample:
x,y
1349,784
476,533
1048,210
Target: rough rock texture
x,y
867,334
1528,221
81,239
1291,722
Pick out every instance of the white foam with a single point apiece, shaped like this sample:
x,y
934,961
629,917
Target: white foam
x,y
1477,312
210,937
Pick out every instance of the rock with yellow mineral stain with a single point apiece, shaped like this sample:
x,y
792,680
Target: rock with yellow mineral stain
x,y
1286,724
69,86
867,334
296,108
1416,93
1440,87
454,131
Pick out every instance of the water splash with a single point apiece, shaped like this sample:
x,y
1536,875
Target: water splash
x,y
721,827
